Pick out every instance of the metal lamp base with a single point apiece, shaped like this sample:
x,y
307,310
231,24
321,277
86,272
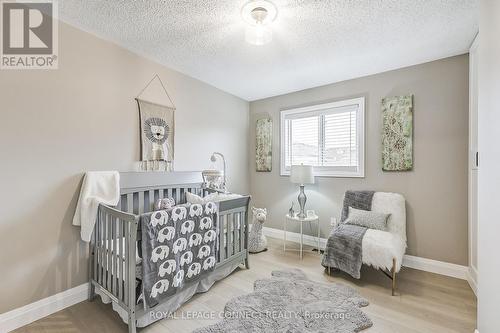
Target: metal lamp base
x,y
302,202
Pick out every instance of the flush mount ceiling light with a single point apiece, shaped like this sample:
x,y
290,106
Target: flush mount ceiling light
x,y
259,14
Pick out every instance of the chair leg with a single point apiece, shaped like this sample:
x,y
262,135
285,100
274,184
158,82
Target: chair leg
x,y
393,271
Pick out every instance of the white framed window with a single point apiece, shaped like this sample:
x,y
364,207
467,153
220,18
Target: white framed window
x,y
330,137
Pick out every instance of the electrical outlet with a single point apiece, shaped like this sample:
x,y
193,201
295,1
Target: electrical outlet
x,y
333,221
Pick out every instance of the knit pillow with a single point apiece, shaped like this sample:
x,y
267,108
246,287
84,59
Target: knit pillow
x,y
367,219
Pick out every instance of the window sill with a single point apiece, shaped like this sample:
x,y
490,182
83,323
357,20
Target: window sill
x,y
330,174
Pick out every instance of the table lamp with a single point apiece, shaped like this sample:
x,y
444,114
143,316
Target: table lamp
x,y
302,174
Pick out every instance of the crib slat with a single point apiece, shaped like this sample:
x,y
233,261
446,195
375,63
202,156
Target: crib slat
x,y
109,253
136,203
230,226
145,201
141,202
114,258
177,195
240,246
96,247
221,237
123,202
242,230
118,256
123,256
114,263
130,203
109,258
103,251
99,241
127,250
246,236
120,259
151,201
235,230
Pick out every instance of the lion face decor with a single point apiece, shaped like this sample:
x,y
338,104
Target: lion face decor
x,y
156,130
157,133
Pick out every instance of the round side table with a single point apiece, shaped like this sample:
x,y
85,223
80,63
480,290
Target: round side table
x,y
295,219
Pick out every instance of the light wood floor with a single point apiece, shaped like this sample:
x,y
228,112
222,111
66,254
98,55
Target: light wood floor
x,y
426,302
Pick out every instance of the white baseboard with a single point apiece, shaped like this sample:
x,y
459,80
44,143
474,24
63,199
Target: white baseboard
x,y
434,266
472,279
423,264
27,314
294,237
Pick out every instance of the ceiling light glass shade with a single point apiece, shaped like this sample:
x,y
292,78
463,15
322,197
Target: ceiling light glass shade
x,y
258,34
259,14
268,6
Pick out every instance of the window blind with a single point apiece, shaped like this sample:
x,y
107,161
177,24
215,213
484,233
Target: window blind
x,y
326,138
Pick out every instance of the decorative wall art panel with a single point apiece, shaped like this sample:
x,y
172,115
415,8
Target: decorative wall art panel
x,y
397,133
157,132
264,144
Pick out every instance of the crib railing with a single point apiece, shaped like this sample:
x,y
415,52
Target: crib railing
x,y
233,230
113,257
113,249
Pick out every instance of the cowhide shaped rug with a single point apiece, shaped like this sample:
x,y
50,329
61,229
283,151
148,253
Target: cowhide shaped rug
x,y
290,302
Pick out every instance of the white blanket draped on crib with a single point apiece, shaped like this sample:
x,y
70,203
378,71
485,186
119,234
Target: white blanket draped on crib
x,y
98,187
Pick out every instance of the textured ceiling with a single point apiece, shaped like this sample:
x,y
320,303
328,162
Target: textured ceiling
x,y
315,42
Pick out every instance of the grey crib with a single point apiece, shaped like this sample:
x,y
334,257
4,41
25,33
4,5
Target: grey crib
x,y
112,264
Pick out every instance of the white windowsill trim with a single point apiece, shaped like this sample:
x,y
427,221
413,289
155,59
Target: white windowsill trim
x,y
331,174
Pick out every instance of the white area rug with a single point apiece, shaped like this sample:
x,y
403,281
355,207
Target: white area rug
x,y
290,302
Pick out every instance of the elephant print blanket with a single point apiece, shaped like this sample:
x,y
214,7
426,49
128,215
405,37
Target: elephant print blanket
x,y
178,247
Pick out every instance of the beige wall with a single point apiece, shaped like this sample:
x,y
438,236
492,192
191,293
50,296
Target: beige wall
x,y
436,190
56,124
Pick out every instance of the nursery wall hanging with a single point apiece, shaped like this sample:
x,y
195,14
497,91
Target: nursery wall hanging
x,y
264,144
157,129
397,133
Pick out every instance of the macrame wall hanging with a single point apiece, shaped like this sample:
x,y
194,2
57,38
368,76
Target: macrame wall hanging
x,y
157,127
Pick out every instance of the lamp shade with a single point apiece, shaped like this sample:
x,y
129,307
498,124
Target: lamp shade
x,y
302,174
